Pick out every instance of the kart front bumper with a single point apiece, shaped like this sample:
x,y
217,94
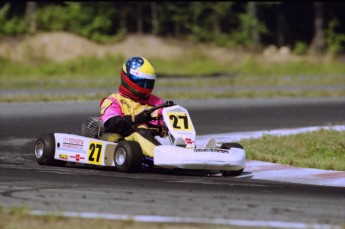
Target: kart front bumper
x,y
171,157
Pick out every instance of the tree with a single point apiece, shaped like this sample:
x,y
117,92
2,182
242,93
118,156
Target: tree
x,y
280,23
140,23
154,18
178,13
219,13
210,20
255,35
30,16
318,42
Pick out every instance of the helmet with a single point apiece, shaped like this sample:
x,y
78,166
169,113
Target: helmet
x,y
137,77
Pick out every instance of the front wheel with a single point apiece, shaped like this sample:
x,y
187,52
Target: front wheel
x,y
231,173
45,151
229,146
128,156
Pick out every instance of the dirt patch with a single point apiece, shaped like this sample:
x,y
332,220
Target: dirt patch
x,y
63,46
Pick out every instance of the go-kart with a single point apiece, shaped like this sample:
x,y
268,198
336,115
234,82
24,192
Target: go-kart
x,y
178,148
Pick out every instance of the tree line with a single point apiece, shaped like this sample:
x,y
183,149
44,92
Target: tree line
x,y
307,27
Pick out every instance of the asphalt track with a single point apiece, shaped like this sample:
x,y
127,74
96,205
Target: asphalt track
x,y
165,195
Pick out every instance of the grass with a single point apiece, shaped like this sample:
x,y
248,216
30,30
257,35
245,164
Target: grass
x,y
297,68
50,98
323,149
19,217
252,94
166,95
188,76
251,72
27,82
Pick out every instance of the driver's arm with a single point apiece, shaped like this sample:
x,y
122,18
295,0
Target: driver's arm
x,y
119,124
116,122
113,118
123,124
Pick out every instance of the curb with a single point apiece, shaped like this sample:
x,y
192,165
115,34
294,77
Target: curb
x,y
278,172
285,173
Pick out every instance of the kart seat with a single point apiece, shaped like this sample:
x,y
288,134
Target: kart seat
x,y
111,137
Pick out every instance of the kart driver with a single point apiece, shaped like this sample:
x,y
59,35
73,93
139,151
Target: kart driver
x,y
125,111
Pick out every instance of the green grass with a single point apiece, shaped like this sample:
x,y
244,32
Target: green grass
x,y
27,82
193,66
252,94
79,68
19,218
188,73
180,95
323,149
301,67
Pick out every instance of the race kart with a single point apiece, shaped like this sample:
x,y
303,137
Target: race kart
x,y
178,149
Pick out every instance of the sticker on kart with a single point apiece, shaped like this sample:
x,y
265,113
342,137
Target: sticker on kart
x,y
95,152
180,121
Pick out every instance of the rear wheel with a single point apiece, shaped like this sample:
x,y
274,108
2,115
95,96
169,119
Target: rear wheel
x,y
45,150
128,156
229,146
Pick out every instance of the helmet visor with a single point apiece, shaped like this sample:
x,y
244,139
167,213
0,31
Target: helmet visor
x,y
142,82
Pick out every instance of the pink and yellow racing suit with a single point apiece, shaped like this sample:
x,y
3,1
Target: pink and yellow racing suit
x,y
118,114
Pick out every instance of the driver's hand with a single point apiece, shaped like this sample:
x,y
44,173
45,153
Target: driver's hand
x,y
143,117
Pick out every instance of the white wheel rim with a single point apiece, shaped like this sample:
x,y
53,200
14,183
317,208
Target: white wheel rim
x,y
120,156
39,149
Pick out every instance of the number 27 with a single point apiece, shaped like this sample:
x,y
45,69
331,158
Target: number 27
x,y
95,148
175,121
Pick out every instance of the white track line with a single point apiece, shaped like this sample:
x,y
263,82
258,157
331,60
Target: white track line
x,y
172,219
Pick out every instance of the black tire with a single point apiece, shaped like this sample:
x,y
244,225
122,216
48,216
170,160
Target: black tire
x,y
128,156
231,173
229,146
45,150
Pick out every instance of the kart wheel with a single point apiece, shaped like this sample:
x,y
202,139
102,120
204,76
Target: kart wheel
x,y
231,173
128,156
229,146
45,150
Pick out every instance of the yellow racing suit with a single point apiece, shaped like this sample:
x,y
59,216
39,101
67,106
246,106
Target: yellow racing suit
x,y
118,114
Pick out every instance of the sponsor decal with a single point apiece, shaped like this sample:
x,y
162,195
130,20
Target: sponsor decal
x,y
188,141
77,157
212,150
63,156
73,143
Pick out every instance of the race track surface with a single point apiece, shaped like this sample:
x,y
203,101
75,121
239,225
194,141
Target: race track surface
x,y
161,192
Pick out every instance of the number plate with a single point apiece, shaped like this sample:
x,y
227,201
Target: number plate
x,y
94,153
180,121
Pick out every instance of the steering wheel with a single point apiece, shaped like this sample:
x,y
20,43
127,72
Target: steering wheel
x,y
162,128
